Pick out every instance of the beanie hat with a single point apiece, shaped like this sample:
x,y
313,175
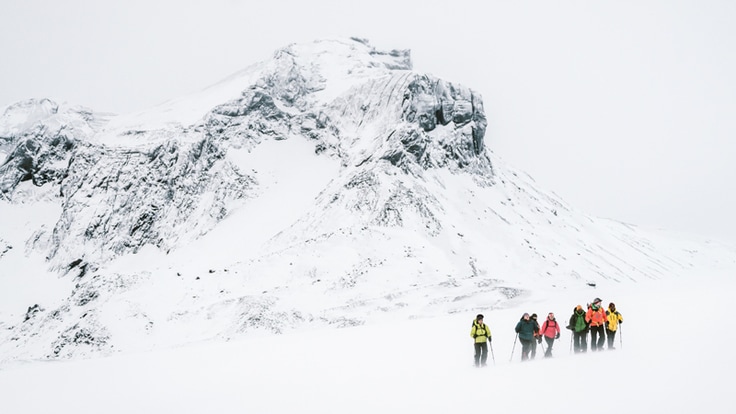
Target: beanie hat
x,y
534,316
480,316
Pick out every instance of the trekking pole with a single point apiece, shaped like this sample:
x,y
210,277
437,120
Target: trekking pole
x,y
492,356
621,336
512,349
572,334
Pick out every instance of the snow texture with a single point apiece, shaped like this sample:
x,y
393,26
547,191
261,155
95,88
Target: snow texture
x,y
331,186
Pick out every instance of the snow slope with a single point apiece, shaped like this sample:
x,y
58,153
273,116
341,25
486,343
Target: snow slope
x,y
664,362
339,189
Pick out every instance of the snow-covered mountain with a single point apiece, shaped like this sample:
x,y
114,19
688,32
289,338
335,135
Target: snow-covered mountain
x,y
331,185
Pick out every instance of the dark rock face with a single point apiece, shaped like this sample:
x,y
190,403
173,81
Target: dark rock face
x,y
124,199
248,120
83,335
4,248
432,102
39,156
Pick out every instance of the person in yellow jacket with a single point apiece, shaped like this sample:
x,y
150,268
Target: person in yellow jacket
x,y
612,323
481,336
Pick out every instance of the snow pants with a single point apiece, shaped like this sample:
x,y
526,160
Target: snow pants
x,y
611,336
597,337
526,347
481,353
580,341
550,342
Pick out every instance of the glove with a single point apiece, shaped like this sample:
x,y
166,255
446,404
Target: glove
x,y
539,339
489,339
557,336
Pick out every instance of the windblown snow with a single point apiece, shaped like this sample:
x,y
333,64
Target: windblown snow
x,y
330,186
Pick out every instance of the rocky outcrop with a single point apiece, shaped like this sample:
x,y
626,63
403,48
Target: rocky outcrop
x,y
39,156
122,199
166,187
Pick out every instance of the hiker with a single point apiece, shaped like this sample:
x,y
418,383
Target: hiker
x,y
613,320
596,319
525,330
579,328
550,331
537,336
481,335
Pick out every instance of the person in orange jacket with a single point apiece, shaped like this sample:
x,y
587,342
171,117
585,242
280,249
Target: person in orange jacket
x,y
596,318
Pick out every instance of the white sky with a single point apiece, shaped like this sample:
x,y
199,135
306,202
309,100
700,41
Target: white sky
x,y
623,108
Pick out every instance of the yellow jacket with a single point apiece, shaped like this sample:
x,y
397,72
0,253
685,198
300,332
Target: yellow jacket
x,y
480,332
614,318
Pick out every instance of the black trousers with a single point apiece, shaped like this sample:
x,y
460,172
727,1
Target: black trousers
x,y
481,353
526,347
611,336
597,337
550,342
580,341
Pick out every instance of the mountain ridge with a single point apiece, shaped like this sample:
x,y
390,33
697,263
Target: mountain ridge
x,y
301,200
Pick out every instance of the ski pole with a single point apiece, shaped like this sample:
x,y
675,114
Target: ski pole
x,y
512,349
571,336
492,355
621,336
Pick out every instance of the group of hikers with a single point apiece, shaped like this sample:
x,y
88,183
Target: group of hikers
x,y
601,323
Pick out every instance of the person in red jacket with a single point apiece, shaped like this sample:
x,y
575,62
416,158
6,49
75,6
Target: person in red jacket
x,y
550,331
596,318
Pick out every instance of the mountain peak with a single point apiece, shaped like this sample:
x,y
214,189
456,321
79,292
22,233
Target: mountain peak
x,y
279,197
322,68
348,53
23,114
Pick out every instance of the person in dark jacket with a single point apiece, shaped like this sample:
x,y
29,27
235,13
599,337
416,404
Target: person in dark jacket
x,y
481,335
525,330
537,336
579,328
550,331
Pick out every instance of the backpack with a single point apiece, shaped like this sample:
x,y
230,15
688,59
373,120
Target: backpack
x,y
580,323
483,327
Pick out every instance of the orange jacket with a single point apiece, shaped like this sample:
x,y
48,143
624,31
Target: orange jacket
x,y
596,317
